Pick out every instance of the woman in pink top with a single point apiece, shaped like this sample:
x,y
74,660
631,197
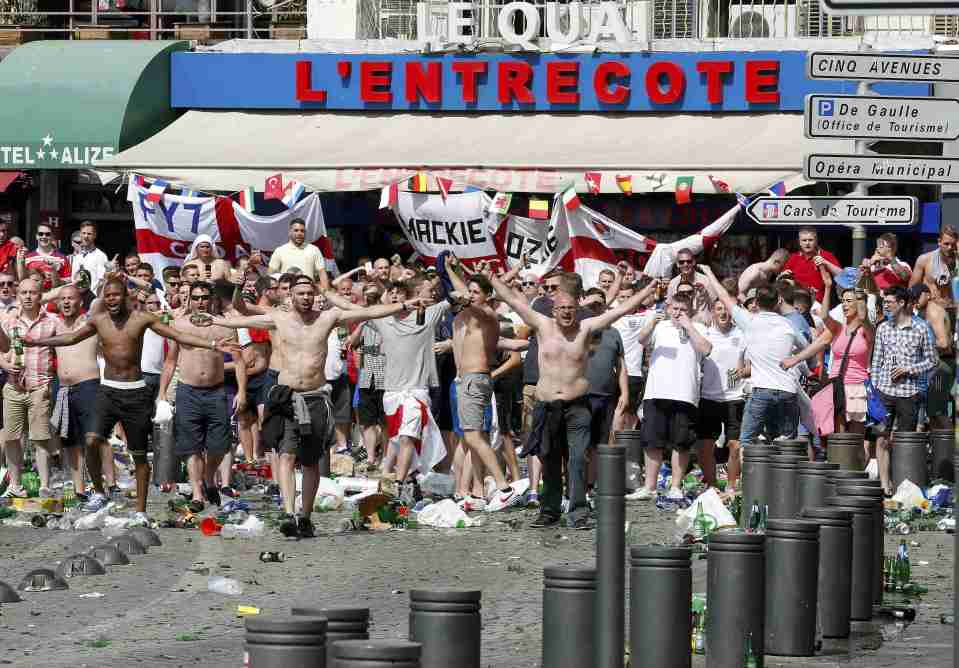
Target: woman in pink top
x,y
837,334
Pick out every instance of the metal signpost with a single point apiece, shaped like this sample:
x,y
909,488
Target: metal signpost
x,y
882,117
881,168
885,210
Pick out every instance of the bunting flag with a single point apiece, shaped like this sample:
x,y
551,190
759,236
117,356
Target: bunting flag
x,y
539,208
444,186
684,189
472,189
389,195
155,193
292,192
273,188
661,262
419,183
500,203
778,189
185,192
570,198
138,180
246,199
625,183
594,182
720,185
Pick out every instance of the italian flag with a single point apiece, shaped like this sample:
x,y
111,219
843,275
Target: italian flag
x,y
570,198
246,199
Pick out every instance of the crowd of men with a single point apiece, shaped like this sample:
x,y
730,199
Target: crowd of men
x,y
460,370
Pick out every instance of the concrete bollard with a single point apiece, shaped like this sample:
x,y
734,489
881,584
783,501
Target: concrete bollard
x,y
661,590
835,568
610,558
285,641
569,618
757,485
447,624
736,596
784,491
811,483
792,584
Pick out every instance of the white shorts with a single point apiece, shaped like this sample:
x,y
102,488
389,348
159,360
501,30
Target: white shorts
x,y
407,412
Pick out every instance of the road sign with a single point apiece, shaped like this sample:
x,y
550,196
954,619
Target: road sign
x,y
881,168
853,66
882,117
890,7
884,210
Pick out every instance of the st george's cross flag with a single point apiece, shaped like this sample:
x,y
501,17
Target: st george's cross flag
x,y
661,262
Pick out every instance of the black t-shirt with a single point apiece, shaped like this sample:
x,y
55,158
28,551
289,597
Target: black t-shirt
x,y
603,363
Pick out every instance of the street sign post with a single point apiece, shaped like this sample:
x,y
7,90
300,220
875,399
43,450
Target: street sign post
x,y
882,117
890,7
881,168
883,210
860,66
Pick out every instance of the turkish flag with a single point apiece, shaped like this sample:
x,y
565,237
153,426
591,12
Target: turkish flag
x,y
274,187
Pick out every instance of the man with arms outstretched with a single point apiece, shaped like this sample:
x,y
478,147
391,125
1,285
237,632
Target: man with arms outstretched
x,y
561,416
299,422
123,396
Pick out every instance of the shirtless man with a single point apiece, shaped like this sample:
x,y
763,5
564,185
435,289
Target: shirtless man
x,y
202,417
123,395
561,416
299,425
203,257
763,273
475,335
937,268
79,377
940,382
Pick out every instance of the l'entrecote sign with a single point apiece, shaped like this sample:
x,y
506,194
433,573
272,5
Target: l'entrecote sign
x,y
606,23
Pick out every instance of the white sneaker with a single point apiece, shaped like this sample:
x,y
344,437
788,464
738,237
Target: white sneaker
x,y
489,486
140,519
641,494
96,503
471,504
503,500
675,494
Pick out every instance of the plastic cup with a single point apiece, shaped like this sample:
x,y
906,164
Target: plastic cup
x,y
210,527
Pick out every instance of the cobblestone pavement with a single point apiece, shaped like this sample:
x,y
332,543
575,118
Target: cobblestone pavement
x,y
158,611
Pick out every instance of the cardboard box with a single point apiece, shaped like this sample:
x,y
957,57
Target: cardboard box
x,y
13,35
201,32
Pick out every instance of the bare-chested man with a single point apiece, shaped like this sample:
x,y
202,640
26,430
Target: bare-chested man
x,y
74,413
123,396
763,273
561,416
202,417
939,397
203,257
475,335
299,415
937,268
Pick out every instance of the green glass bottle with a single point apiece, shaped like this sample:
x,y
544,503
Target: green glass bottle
x,y
749,657
755,516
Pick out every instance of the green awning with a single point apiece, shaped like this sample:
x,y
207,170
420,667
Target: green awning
x,y
66,104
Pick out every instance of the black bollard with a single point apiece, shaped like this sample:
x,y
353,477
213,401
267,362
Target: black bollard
x,y
871,489
811,483
630,440
863,559
610,558
736,597
942,444
285,641
784,491
835,568
661,591
341,624
447,624
797,447
846,449
166,466
376,654
569,601
908,459
834,478
756,483
792,585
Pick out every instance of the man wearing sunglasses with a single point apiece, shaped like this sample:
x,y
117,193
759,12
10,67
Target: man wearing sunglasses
x,y
8,291
47,258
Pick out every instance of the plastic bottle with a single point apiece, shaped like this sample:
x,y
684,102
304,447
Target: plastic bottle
x,y
227,586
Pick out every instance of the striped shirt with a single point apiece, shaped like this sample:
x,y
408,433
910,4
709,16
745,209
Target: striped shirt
x,y
39,362
373,370
908,346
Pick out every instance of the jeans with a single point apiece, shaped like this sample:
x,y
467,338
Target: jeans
x,y
578,421
774,411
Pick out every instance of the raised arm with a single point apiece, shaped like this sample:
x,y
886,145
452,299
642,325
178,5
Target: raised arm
x,y
255,321
748,276
810,351
459,285
349,274
649,326
181,337
374,312
613,291
607,318
512,345
81,333
339,302
700,343
827,320
518,303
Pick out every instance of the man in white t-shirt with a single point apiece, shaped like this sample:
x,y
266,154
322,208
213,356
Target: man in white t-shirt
x,y
671,400
722,400
629,327
770,338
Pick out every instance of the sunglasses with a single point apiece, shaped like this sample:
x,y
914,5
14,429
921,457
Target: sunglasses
x,y
200,297
527,284
44,234
684,262
550,288
7,284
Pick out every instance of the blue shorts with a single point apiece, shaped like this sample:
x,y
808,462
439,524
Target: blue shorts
x,y
82,406
270,378
202,420
487,415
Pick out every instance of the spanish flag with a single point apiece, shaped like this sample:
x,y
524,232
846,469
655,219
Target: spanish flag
x,y
419,183
539,208
625,183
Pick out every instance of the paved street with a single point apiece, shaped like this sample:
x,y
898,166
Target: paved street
x,y
159,612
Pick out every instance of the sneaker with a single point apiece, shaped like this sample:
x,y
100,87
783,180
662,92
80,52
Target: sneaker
x,y
195,506
229,492
305,527
289,527
503,499
471,504
641,494
97,502
15,493
140,519
212,494
580,522
532,500
675,494
564,505
544,520
489,487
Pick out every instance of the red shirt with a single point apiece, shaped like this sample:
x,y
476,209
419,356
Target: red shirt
x,y
886,277
42,261
8,256
806,272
